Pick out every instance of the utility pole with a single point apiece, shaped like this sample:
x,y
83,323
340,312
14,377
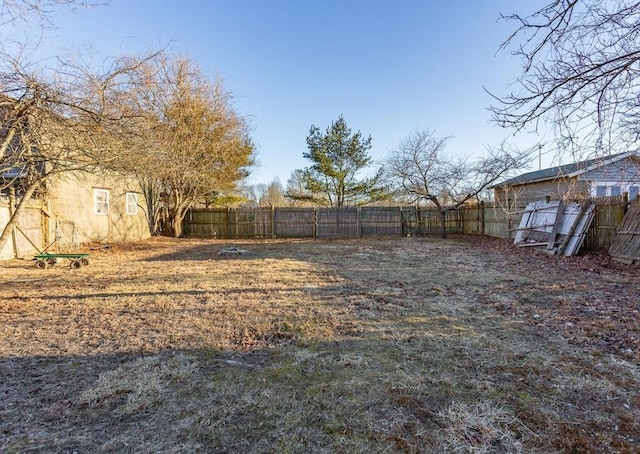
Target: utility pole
x,y
540,157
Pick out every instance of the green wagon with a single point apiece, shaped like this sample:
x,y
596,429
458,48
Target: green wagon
x,y
46,259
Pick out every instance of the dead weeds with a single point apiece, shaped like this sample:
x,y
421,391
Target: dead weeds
x,y
377,345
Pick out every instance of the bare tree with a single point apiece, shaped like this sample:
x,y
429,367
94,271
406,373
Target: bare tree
x,y
56,115
272,194
157,118
296,191
58,120
420,169
580,74
30,11
194,146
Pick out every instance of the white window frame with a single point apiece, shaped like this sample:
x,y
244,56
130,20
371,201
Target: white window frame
x,y
101,201
131,201
625,186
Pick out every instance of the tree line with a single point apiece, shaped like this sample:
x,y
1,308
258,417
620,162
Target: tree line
x,y
417,171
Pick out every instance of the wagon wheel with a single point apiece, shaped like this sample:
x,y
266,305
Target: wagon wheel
x,y
41,264
75,264
84,261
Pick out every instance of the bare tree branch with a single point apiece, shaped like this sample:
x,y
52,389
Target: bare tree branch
x,y
420,169
580,68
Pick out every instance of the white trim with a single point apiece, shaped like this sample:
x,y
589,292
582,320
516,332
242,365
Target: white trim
x,y
131,205
602,163
101,201
625,186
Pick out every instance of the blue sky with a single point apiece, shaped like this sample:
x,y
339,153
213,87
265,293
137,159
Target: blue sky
x,y
388,67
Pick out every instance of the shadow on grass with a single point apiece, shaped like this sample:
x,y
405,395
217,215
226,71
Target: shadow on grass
x,y
409,361
367,394
231,249
166,293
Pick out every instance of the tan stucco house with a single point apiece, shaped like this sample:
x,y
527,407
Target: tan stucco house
x,y
96,208
74,204
77,208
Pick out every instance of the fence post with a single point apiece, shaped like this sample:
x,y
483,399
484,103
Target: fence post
x,y
273,221
315,222
625,202
482,219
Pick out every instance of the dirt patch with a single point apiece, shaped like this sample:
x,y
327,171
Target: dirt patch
x,y
376,345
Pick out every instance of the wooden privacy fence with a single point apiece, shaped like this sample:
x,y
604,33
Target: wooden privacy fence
x,y
609,213
351,222
625,246
316,222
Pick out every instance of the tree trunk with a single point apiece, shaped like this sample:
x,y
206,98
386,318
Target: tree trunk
x,y
153,205
443,223
13,221
176,225
175,218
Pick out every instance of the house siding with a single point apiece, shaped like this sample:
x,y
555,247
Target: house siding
x,y
72,208
522,194
623,171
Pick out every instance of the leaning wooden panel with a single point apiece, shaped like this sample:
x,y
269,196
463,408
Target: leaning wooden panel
x,y
558,227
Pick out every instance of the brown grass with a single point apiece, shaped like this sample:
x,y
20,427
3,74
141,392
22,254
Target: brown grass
x,y
381,345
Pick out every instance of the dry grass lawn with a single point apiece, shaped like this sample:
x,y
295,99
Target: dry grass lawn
x,y
350,346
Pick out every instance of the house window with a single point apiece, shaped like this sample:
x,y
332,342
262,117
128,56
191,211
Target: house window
x,y
101,201
615,189
132,203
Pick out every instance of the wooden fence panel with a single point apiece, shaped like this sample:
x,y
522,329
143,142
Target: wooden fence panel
x,y
426,221
338,223
229,223
365,221
473,219
250,223
295,222
625,246
31,233
608,216
204,222
380,221
499,222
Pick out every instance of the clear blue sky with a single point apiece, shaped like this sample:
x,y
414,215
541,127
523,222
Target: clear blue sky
x,y
388,66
